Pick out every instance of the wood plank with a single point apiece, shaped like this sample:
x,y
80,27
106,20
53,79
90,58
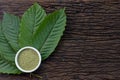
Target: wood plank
x,y
90,47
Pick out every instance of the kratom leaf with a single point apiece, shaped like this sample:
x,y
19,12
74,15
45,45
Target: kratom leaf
x,y
8,67
11,29
49,33
7,56
5,49
36,29
30,21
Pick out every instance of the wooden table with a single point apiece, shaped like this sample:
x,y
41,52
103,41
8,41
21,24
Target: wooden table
x,y
90,47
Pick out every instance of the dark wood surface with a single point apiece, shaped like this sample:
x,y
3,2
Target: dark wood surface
x,y
90,47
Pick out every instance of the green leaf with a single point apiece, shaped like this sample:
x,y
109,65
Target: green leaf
x,y
49,33
11,29
8,67
36,29
30,21
5,49
7,56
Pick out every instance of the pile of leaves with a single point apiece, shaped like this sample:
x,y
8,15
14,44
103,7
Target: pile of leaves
x,y
36,28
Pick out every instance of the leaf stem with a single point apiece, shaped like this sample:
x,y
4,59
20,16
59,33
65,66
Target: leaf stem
x,y
36,75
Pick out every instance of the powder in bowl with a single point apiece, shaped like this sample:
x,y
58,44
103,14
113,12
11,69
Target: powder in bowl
x,y
28,59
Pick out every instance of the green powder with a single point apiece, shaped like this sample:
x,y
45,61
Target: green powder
x,y
28,59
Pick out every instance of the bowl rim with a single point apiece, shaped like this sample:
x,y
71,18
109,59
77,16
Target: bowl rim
x,y
16,59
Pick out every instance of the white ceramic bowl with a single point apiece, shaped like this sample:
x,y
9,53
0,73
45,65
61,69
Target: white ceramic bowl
x,y
16,59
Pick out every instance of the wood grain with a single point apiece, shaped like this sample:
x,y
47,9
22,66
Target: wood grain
x,y
90,47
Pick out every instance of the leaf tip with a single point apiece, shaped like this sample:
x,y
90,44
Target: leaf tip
x,y
4,13
35,3
64,8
